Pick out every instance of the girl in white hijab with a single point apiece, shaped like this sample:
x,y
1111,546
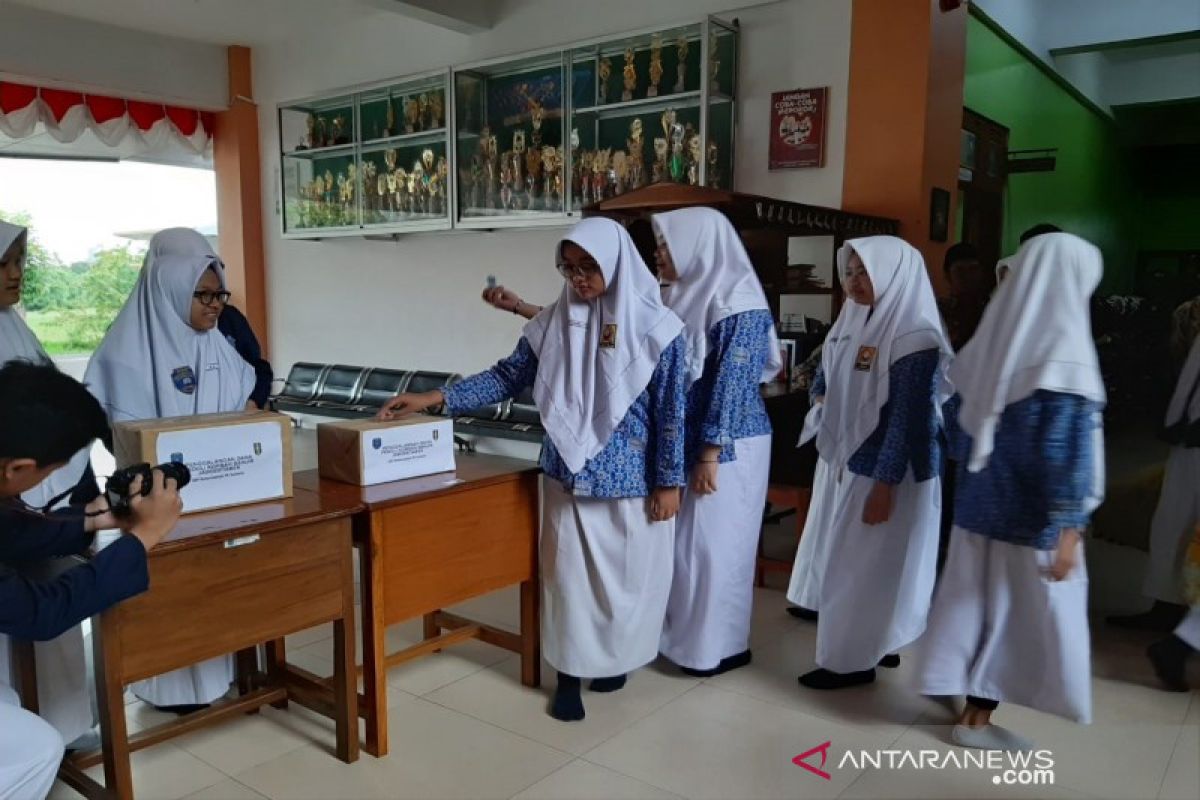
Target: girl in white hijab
x,y
1178,511
607,363
64,699
164,357
868,553
1009,622
732,348
1176,524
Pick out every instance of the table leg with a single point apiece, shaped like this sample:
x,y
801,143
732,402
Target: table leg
x,y
277,668
531,634
431,626
370,553
345,687
110,696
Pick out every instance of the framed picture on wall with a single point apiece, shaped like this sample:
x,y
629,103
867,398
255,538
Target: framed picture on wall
x,y
798,128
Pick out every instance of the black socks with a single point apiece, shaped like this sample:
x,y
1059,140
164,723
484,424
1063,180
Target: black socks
x,y
607,684
825,679
732,662
567,704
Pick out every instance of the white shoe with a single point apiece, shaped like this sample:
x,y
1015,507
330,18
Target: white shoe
x,y
991,737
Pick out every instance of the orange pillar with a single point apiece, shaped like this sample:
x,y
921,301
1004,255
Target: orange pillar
x,y
907,62
239,195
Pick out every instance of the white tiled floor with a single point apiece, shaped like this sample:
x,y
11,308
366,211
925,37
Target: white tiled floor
x,y
462,726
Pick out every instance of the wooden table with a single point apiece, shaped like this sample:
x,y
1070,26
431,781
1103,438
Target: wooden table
x,y
431,542
224,582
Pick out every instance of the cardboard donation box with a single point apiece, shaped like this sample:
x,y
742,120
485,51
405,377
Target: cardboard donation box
x,y
235,458
366,452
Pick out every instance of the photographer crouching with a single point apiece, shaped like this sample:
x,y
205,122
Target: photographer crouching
x,y
46,417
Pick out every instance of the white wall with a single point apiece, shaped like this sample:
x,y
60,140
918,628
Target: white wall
x,y
55,50
415,303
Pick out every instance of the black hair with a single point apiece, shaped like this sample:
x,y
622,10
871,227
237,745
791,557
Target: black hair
x,y
963,251
1038,230
46,415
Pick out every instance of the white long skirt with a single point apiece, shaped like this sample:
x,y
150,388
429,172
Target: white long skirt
x,y
64,696
1176,517
804,588
606,577
198,684
30,751
716,548
1001,630
877,580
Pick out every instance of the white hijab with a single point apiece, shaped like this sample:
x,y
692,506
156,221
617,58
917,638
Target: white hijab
x,y
1035,334
903,321
1185,402
152,362
583,389
17,343
716,280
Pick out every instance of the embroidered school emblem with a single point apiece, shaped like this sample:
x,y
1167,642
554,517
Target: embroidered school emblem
x,y
258,448
184,379
376,443
608,335
176,458
866,358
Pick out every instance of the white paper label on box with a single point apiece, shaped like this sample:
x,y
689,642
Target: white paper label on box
x,y
231,465
407,451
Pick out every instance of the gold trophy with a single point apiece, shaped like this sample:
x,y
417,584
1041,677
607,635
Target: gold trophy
x,y
340,134
630,73
389,125
659,171
401,199
311,125
423,111
681,50
695,154
410,115
618,175
437,109
536,115
656,67
636,147
382,184
604,72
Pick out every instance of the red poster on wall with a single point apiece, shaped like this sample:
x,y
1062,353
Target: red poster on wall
x,y
798,128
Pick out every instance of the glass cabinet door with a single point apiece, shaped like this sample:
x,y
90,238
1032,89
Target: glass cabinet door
x,y
319,163
509,121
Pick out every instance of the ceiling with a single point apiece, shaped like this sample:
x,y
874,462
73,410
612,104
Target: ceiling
x,y
223,22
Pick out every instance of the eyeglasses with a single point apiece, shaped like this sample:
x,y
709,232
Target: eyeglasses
x,y
211,298
585,270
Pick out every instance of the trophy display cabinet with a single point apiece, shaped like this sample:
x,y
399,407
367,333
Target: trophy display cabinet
x,y
373,160
519,141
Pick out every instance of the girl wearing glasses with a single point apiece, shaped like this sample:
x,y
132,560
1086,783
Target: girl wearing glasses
x,y
607,363
164,357
732,348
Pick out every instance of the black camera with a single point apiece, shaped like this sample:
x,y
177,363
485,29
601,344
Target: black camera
x,y
117,489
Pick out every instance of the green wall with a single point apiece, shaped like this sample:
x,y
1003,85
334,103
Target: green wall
x,y
1090,192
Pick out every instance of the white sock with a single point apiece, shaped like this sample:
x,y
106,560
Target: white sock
x,y
990,737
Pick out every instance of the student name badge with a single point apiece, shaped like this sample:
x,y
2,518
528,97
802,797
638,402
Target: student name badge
x,y
608,336
184,379
865,359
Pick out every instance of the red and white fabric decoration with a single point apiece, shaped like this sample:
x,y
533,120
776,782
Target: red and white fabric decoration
x,y
66,114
